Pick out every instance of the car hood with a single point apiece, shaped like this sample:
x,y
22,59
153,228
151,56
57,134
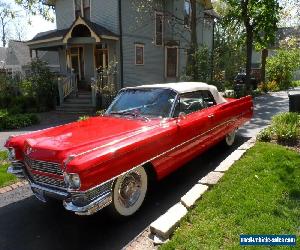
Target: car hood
x,y
74,138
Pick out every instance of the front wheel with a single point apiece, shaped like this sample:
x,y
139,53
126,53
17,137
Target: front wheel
x,y
230,138
129,191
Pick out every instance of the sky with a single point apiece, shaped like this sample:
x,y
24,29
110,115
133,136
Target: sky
x,y
38,23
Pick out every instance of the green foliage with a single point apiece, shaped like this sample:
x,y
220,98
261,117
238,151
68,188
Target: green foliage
x,y
295,84
284,128
40,84
271,86
201,68
259,194
281,67
5,178
8,121
83,118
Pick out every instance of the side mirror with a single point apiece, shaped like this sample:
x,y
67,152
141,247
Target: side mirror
x,y
181,116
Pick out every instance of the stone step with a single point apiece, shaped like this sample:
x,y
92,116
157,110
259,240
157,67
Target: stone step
x,y
79,100
77,105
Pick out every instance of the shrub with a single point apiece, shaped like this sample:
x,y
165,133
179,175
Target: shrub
x,y
281,67
17,121
40,84
285,129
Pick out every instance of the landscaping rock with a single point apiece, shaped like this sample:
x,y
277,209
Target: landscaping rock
x,y
164,226
189,199
212,178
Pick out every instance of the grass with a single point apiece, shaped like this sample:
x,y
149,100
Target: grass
x,y
5,178
260,194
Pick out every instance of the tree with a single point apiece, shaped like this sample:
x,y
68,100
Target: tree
x,y
36,7
6,16
259,20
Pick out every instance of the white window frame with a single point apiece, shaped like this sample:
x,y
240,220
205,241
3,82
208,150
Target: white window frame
x,y
135,47
166,60
162,32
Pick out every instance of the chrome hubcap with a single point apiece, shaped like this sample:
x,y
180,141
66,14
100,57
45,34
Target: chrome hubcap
x,y
230,138
130,189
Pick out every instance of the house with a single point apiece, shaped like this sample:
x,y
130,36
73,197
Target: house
x,y
16,57
149,45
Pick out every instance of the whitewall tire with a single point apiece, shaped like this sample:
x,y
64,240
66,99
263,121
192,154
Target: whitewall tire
x,y
230,138
129,191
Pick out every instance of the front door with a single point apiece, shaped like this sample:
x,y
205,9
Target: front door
x,y
77,62
171,62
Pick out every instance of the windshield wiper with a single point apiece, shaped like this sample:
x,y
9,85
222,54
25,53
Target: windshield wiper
x,y
126,112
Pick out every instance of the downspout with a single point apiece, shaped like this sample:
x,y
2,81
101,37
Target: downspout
x,y
121,45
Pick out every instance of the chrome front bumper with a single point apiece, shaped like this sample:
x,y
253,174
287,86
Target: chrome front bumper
x,y
42,191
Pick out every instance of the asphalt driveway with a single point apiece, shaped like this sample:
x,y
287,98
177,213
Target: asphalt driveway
x,y
25,223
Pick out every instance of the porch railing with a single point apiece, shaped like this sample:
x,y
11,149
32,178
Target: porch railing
x,y
67,85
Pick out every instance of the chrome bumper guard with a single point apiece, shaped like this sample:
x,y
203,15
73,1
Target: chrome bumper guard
x,y
43,191
91,208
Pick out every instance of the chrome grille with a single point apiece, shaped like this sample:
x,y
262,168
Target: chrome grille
x,y
100,190
48,180
43,166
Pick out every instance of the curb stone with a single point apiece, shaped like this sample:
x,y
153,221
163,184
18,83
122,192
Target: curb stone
x,y
13,186
166,224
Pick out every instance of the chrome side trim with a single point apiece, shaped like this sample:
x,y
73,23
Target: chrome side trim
x,y
91,208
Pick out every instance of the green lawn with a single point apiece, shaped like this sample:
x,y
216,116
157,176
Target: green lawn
x,y
5,179
260,194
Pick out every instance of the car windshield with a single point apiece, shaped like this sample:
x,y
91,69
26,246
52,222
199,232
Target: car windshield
x,y
143,103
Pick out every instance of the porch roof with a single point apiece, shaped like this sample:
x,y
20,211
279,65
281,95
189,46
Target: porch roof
x,y
57,37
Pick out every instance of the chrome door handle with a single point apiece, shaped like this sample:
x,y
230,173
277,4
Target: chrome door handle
x,y
211,116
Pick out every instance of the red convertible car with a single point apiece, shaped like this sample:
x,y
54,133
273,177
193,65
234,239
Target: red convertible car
x,y
147,132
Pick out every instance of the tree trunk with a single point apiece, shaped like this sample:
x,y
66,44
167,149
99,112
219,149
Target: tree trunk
x,y
194,42
249,47
264,55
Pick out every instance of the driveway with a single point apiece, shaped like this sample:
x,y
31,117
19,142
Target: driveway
x,y
28,224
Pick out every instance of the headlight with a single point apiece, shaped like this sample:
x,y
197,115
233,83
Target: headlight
x,y
72,180
11,154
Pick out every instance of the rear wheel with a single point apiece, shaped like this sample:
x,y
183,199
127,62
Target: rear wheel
x,y
230,138
129,192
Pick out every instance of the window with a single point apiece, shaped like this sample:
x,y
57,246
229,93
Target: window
x,y
139,54
194,101
159,29
87,9
187,13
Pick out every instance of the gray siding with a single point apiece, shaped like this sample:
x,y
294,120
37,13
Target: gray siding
x,y
65,14
62,60
140,32
106,13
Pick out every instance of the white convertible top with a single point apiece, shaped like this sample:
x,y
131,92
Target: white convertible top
x,y
185,87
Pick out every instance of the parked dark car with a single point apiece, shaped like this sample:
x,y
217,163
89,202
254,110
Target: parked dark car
x,y
241,79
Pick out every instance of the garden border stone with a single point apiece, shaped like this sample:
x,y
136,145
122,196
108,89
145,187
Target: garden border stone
x,y
165,225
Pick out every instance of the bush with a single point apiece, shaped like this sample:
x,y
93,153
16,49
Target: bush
x,y
16,121
295,84
265,135
40,87
285,129
281,67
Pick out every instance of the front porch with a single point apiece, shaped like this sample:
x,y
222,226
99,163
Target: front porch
x,y
88,56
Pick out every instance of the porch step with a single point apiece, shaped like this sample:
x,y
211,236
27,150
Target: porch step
x,y
75,110
80,104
